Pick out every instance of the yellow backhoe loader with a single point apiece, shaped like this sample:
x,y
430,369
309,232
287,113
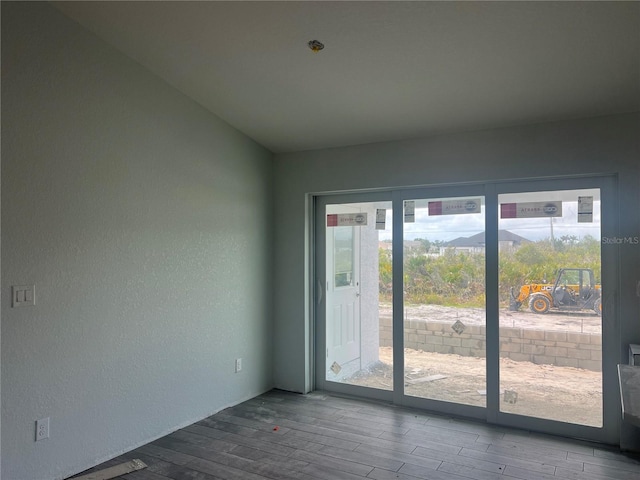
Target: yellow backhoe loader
x,y
574,289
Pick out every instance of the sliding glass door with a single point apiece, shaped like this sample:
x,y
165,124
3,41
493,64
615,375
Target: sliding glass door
x,y
444,321
487,301
556,287
551,299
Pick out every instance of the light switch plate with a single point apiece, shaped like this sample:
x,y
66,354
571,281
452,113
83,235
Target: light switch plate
x,y
23,295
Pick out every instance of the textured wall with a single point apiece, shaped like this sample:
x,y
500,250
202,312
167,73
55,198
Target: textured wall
x,y
144,222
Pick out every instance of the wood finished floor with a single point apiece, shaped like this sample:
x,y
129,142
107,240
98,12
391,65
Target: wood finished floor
x,y
281,435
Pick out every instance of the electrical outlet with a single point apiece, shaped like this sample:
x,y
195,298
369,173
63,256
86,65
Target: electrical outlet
x,y
238,365
42,429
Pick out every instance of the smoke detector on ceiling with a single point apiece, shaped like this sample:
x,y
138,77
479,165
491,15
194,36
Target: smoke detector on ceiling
x,y
315,46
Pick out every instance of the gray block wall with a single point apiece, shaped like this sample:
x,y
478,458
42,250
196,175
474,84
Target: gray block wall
x,y
543,347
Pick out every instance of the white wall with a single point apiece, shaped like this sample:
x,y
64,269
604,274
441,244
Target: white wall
x,y
590,146
144,222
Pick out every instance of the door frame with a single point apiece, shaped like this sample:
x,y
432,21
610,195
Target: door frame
x,y
399,196
609,433
609,260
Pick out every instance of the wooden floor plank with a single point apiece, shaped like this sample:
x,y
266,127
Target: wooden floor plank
x,y
256,424
573,475
612,472
165,454
617,463
419,460
536,466
526,451
219,470
367,423
324,472
333,463
381,474
423,442
470,472
143,475
524,474
344,424
442,436
362,458
281,435
261,456
548,441
479,464
266,442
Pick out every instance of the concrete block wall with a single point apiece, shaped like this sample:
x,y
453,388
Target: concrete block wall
x,y
564,349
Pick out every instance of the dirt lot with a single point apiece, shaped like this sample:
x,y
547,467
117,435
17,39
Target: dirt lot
x,y
558,393
580,322
546,391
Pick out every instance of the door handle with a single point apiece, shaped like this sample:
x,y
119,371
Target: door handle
x,y
319,292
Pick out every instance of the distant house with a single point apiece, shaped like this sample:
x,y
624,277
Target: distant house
x,y
409,246
473,244
476,243
385,245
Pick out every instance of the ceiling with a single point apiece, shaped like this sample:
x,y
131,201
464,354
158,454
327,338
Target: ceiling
x,y
389,70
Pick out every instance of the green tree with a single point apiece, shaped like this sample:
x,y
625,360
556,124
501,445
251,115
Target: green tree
x,y
425,243
458,278
385,274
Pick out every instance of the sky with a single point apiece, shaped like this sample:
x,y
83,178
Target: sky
x,y
448,227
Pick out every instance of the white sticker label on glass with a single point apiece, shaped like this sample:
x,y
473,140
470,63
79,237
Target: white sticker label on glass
x,y
531,209
585,209
346,219
381,218
455,207
409,211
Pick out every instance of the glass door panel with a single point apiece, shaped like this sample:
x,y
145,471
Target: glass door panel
x,y
550,305
358,314
444,300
